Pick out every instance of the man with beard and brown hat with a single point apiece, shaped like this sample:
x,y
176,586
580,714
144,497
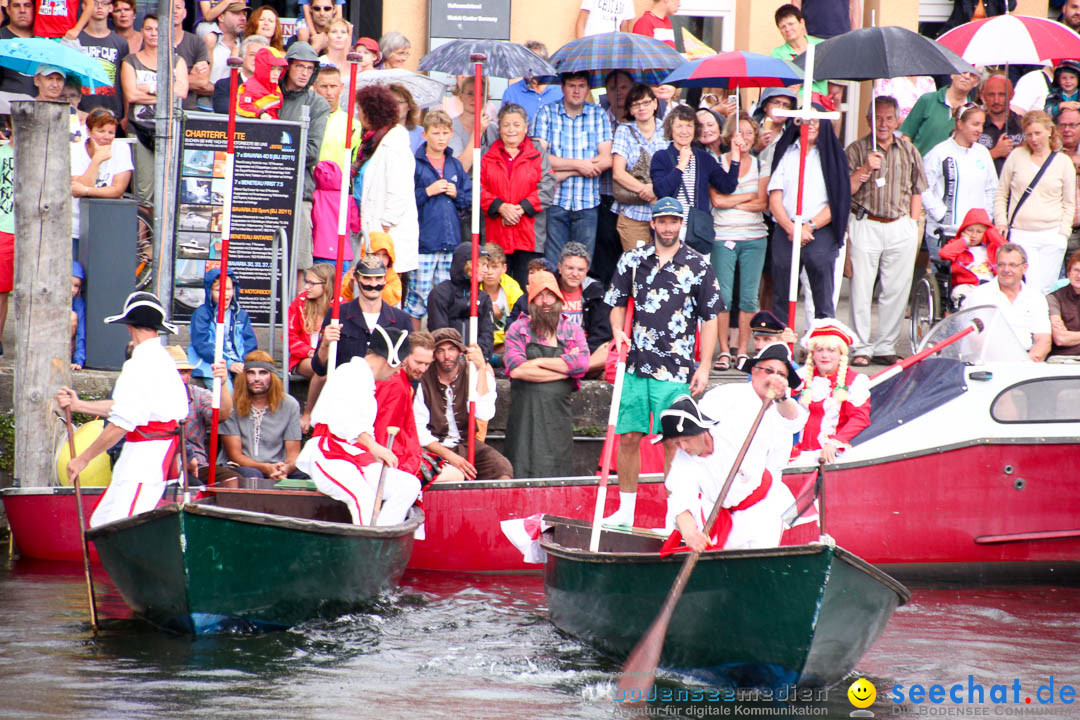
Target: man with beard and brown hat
x,y
545,356
441,405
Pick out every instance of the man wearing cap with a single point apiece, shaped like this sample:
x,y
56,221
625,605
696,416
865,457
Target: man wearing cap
x,y
263,436
766,329
441,406
674,289
49,80
357,321
342,456
707,448
225,38
148,402
546,355
296,86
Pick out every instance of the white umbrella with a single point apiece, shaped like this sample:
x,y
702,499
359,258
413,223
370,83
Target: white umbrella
x,y
426,92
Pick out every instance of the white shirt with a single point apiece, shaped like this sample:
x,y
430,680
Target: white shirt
x,y
606,16
786,178
80,163
957,180
1028,315
346,404
734,405
485,410
1030,92
148,389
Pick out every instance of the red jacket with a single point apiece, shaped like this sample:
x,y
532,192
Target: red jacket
x,y
394,398
300,345
956,250
516,182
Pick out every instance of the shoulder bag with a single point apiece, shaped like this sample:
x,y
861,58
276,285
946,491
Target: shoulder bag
x,y
639,171
700,232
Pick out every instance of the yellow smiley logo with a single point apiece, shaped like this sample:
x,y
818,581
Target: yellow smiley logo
x,y
862,693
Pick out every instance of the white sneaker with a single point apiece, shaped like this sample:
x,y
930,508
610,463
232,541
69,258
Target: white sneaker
x,y
618,519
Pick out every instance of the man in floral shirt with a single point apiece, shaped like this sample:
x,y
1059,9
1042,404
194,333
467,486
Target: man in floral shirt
x,y
673,289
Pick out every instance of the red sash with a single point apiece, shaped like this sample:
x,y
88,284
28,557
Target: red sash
x,y
332,448
722,526
153,430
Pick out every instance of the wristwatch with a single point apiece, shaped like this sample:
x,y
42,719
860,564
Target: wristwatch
x,y
813,227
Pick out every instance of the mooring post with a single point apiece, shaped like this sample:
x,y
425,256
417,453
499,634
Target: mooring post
x,y
42,140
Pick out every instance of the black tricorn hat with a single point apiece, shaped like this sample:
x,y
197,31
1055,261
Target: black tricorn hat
x,y
683,419
391,343
775,351
144,310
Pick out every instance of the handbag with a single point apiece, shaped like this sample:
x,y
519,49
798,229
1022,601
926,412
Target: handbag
x,y
700,232
1027,191
639,171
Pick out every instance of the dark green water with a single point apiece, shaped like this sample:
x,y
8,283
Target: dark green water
x,y
456,646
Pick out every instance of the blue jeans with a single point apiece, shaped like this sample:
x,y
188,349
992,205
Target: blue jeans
x,y
564,226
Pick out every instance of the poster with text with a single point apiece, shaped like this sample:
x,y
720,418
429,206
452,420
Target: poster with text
x,y
267,175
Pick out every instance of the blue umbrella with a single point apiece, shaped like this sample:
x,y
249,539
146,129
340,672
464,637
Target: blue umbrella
x,y
26,54
502,59
648,60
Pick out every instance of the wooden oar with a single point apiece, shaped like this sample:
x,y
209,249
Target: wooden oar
x,y
897,368
82,525
390,433
639,670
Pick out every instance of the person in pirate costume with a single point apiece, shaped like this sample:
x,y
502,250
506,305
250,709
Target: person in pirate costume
x,y
837,397
342,456
149,401
752,510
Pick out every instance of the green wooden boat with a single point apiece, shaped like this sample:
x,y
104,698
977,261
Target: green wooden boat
x,y
250,560
800,615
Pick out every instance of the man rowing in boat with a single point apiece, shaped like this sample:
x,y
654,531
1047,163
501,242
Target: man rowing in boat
x,y
147,403
707,448
342,456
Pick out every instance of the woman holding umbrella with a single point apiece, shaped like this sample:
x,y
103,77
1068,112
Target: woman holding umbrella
x,y
826,205
383,174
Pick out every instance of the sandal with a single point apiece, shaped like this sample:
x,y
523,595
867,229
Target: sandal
x,y
723,362
860,361
741,360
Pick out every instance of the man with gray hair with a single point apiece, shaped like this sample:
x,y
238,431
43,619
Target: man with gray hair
x,y
248,48
583,302
530,93
1022,305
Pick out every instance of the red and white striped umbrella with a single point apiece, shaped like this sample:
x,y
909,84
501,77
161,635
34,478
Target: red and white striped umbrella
x,y
1012,40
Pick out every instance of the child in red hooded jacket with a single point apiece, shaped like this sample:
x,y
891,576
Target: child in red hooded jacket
x,y
972,253
260,96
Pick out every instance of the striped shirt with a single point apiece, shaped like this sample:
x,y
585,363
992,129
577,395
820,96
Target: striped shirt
x,y
577,138
732,223
628,143
902,171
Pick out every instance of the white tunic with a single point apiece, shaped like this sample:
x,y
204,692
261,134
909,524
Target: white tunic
x,y
693,482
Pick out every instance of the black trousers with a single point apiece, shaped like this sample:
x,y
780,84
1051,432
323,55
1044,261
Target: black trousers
x,y
608,246
818,258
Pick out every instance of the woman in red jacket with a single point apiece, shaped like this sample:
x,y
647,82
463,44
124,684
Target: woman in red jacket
x,y
306,316
509,191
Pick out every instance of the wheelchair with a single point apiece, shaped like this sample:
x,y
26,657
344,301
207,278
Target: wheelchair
x,y
931,300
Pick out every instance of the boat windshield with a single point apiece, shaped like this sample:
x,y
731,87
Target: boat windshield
x,y
997,342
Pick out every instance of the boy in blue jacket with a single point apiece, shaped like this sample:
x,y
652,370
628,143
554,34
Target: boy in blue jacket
x,y
443,192
239,334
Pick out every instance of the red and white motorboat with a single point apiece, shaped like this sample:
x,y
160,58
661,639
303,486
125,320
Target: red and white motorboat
x,y
969,467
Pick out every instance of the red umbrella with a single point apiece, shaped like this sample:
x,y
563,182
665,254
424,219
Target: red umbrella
x,y
1012,40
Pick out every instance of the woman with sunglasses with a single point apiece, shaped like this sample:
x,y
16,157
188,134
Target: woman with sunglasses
x,y
960,175
100,168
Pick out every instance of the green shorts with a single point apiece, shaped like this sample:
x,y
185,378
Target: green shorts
x,y
643,399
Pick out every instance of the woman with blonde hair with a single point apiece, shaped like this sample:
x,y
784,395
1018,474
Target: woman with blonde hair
x,y
339,36
264,21
837,397
306,315
741,237
1036,199
463,142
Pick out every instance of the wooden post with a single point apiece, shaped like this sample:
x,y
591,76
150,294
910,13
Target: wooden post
x,y
42,139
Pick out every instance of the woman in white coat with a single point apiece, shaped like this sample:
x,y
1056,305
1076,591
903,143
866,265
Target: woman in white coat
x,y
383,176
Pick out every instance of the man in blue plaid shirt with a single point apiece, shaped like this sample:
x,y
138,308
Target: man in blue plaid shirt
x,y
577,136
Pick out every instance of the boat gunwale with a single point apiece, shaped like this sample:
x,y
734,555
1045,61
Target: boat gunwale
x,y
517,483
284,522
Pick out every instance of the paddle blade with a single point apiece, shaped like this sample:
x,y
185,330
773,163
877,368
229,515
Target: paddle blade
x,y
639,670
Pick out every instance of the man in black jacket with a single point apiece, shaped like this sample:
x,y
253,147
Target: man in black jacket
x,y
448,303
356,320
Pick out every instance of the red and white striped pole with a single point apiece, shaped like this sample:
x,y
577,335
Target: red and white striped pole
x,y
226,218
343,210
478,106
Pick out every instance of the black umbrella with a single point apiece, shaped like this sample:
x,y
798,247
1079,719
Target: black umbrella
x,y
882,52
503,59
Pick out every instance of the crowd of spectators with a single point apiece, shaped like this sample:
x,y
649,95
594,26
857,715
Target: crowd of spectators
x,y
568,190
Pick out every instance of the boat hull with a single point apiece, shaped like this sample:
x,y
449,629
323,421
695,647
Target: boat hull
x,y
45,521
754,618
1001,508
201,569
